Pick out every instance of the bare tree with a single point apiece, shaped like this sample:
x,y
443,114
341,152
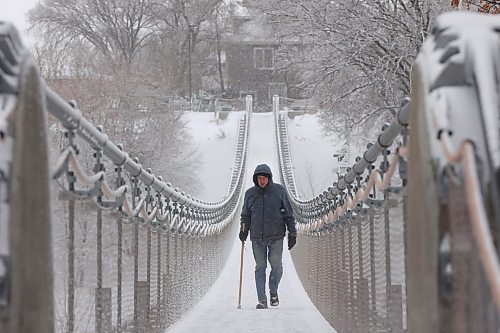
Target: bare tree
x,y
355,55
186,25
93,51
162,42
97,39
116,28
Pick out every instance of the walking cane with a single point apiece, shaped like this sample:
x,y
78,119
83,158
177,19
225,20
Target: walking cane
x,y
241,274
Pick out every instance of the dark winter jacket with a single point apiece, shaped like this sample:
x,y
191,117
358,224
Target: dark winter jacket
x,y
267,211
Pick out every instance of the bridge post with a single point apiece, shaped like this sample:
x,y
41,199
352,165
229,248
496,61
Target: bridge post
x,y
181,264
336,276
30,305
373,318
158,305
119,276
325,276
351,303
103,310
142,306
276,104
135,193
344,311
174,310
423,220
168,278
148,271
249,104
164,282
70,311
102,295
362,286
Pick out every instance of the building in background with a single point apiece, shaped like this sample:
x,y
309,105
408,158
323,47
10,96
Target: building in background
x,y
252,61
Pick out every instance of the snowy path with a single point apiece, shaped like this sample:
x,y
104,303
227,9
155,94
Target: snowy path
x,y
217,311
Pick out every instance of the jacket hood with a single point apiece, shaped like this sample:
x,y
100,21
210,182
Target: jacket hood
x,y
262,169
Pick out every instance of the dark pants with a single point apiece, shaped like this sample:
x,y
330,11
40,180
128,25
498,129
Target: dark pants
x,y
263,251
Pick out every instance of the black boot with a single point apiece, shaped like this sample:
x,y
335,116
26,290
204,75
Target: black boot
x,y
261,305
274,299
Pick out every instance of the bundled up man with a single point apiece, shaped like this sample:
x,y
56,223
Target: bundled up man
x,y
267,214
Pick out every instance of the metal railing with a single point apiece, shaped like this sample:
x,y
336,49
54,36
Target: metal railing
x,y
350,256
378,257
351,188
132,253
453,213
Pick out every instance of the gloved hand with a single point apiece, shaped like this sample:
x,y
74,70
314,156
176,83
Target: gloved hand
x,y
243,232
291,242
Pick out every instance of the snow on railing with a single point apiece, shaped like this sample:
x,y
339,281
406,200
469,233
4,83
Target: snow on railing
x,y
346,194
453,191
361,258
346,230
145,228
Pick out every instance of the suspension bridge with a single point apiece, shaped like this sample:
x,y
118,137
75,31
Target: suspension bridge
x,y
405,241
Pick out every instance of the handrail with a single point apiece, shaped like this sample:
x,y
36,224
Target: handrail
x,y
73,119
334,199
169,198
202,212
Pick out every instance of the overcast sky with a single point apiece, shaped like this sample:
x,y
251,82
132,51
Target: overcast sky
x,y
14,11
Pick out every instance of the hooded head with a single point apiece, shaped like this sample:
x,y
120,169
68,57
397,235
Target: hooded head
x,y
262,170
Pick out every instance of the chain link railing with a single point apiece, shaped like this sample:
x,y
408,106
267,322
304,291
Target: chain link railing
x,y
131,252
351,256
176,244
419,256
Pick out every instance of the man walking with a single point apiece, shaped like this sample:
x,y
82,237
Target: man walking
x,y
267,214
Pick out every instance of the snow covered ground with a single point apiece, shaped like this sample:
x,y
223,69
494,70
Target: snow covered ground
x,y
314,164
216,143
217,312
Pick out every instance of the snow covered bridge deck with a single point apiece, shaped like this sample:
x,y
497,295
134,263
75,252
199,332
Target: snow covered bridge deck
x,y
218,312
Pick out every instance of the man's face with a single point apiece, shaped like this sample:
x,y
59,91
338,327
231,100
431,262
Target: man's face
x,y
262,180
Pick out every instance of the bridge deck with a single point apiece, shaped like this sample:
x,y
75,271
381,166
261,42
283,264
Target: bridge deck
x,y
217,312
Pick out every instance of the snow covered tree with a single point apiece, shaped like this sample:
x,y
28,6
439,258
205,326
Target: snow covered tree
x,y
159,41
188,35
96,40
100,53
356,55
118,29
